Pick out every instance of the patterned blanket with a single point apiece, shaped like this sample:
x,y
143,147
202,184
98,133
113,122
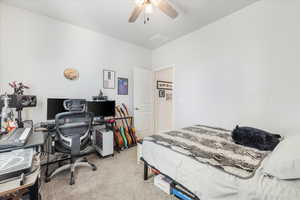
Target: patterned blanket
x,y
213,146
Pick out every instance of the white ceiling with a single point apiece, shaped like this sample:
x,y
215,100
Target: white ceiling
x,y
111,17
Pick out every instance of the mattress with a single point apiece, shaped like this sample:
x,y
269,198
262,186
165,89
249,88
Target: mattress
x,y
209,183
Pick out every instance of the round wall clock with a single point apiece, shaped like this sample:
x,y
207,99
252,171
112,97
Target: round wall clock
x,y
71,74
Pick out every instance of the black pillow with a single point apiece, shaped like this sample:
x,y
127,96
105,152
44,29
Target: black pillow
x,y
255,138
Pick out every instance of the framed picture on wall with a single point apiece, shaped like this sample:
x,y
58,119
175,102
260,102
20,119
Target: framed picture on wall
x,y
161,93
122,86
164,85
109,79
169,96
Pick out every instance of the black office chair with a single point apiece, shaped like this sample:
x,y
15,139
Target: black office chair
x,y
73,130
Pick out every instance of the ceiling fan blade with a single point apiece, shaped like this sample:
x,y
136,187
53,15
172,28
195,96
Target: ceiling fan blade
x,y
136,12
165,7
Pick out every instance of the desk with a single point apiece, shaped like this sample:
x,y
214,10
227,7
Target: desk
x,y
31,183
35,140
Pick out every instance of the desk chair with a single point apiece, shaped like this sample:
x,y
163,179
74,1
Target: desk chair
x,y
73,131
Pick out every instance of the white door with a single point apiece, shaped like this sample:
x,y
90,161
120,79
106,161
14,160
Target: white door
x,y
143,101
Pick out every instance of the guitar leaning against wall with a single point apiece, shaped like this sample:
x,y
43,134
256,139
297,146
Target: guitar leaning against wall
x,y
127,122
121,130
118,138
125,128
131,124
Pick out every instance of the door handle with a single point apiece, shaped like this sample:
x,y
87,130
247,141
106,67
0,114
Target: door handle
x,y
137,109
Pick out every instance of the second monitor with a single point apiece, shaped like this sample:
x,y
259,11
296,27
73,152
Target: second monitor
x,y
102,108
55,106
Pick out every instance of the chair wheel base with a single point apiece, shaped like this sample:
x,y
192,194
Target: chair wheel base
x,y
72,180
47,179
94,168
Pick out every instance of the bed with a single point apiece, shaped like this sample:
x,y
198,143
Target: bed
x,y
208,180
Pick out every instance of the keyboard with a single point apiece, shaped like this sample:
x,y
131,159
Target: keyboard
x,y
48,125
16,138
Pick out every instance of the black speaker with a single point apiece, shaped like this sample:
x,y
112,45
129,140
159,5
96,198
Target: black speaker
x,y
25,101
20,101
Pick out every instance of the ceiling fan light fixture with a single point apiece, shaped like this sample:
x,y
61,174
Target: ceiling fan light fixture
x,y
155,2
139,2
148,9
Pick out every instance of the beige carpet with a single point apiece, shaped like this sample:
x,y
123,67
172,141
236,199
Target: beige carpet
x,y
117,178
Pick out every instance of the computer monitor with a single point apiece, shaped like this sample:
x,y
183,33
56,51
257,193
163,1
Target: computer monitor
x,y
102,108
55,106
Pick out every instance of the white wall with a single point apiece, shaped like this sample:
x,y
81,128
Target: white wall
x,y
163,108
36,49
243,69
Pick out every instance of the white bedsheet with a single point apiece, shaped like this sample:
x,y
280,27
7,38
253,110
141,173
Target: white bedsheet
x,y
209,183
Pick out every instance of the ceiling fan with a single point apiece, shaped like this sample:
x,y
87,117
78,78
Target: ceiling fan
x,y
147,7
